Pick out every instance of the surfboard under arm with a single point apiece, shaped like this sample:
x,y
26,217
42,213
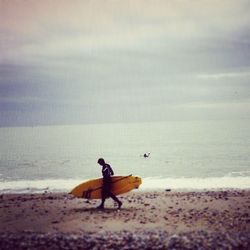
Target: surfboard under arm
x,y
92,189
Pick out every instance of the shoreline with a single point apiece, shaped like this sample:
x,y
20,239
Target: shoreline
x,y
215,215
37,191
148,184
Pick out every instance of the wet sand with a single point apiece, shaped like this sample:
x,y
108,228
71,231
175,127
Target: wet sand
x,y
153,220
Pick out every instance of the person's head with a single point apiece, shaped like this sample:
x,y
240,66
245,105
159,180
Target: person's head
x,y
101,161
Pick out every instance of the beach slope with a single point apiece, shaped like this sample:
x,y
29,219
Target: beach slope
x,y
155,219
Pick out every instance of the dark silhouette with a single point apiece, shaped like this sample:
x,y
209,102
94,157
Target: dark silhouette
x,y
146,155
107,172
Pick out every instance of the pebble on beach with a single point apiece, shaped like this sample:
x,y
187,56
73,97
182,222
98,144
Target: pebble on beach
x,y
147,220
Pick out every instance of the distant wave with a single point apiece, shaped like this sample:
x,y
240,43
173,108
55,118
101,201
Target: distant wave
x,y
37,186
239,173
197,183
65,185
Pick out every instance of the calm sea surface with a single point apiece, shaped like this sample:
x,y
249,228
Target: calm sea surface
x,y
200,154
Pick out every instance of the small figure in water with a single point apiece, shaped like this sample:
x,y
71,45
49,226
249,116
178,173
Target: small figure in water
x,y
107,172
146,155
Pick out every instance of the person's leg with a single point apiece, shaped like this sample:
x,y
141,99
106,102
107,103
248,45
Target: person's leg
x,y
104,195
115,199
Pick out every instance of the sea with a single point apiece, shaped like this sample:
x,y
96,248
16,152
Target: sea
x,y
184,155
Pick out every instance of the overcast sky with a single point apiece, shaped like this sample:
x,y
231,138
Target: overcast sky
x,y
73,62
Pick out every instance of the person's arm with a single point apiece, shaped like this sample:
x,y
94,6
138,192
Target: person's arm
x,y
111,170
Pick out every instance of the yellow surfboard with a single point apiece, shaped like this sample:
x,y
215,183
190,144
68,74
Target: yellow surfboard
x,y
92,189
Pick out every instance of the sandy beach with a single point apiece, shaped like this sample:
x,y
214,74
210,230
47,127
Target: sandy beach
x,y
148,220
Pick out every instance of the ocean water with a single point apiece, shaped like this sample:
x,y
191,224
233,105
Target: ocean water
x,y
183,155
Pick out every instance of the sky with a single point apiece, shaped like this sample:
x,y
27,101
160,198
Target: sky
x,y
94,61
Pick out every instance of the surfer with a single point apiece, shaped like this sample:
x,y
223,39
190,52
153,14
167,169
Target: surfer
x,y
107,172
146,155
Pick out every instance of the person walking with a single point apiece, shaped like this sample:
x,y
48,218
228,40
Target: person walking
x,y
107,172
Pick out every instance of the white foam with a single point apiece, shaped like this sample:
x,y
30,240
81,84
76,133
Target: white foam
x,y
36,186
66,185
197,183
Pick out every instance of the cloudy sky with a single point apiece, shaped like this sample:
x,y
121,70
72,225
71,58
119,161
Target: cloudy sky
x,y
94,61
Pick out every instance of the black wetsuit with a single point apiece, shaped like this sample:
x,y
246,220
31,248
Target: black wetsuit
x,y
107,172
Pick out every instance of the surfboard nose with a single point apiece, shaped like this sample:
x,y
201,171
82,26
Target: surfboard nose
x,y
137,182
